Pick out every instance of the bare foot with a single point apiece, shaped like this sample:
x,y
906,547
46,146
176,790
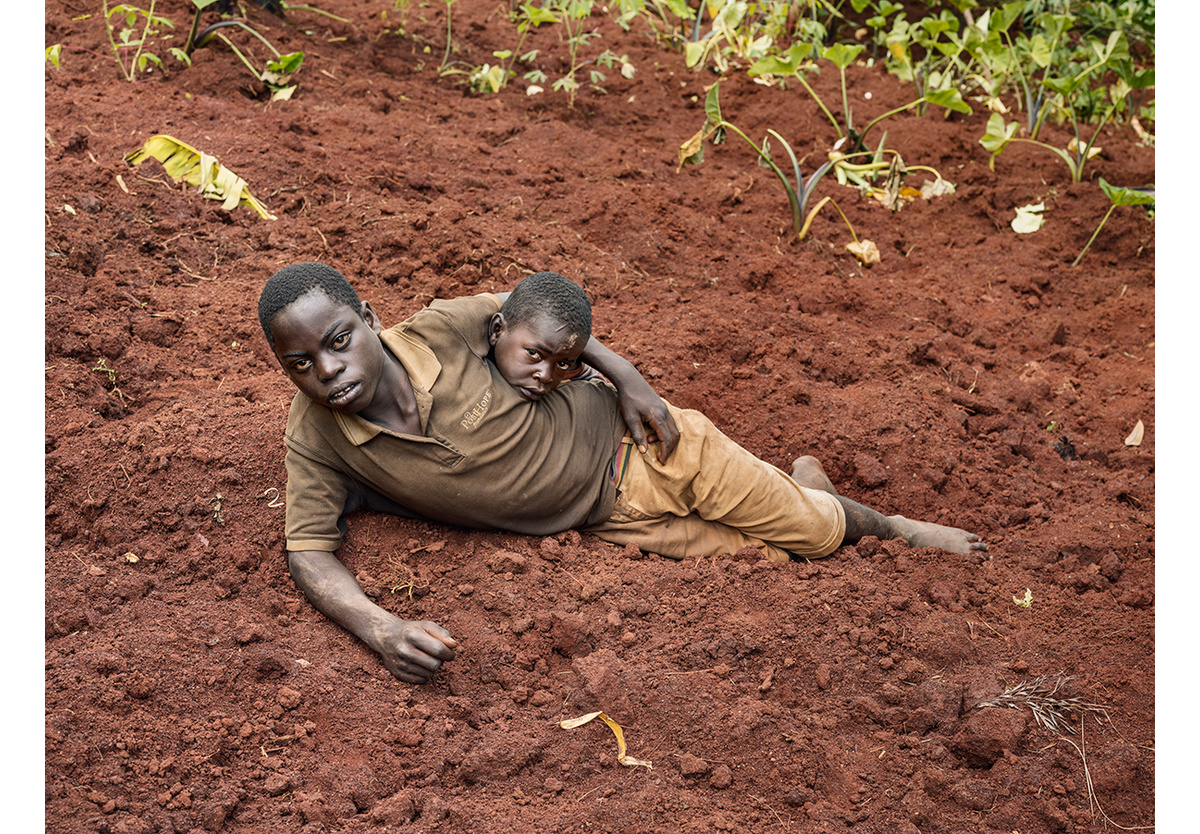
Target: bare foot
x,y
808,472
928,534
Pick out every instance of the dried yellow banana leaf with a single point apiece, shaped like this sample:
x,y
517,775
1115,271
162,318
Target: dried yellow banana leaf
x,y
572,723
199,170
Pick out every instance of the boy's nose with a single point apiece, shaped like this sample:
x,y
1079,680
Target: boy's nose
x,y
329,368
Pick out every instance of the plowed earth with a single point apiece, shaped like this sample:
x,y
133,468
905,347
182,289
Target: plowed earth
x,y
972,377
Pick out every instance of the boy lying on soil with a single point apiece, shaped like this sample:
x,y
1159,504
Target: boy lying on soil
x,y
457,415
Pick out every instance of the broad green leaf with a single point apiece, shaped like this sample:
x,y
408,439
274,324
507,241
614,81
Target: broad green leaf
x,y
1117,47
53,52
183,163
712,105
1135,78
788,63
951,99
286,64
1066,87
998,134
1040,50
1005,16
842,55
935,26
1124,196
681,10
693,52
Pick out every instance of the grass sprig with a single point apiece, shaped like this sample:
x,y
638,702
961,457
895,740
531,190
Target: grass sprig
x,y
1041,696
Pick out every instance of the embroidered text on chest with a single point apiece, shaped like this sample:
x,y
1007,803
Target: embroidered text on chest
x,y
471,419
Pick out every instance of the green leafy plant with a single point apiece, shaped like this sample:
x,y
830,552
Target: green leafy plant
x,y
128,41
574,15
739,31
798,188
276,76
53,53
1118,196
1000,134
527,17
794,64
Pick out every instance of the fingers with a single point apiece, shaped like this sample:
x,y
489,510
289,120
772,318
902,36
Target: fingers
x,y
419,652
668,434
432,641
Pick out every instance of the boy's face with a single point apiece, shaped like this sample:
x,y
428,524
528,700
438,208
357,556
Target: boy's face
x,y
330,351
533,357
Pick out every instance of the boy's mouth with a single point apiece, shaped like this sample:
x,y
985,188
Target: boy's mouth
x,y
344,395
529,394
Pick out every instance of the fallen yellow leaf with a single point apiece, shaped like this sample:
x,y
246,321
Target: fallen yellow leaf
x,y
186,164
1135,436
572,723
866,251
936,188
1029,218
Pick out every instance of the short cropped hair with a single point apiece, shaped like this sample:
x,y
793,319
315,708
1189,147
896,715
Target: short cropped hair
x,y
296,280
549,295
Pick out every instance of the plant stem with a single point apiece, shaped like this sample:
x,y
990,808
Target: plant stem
x,y
129,74
820,104
793,199
446,56
189,45
1093,237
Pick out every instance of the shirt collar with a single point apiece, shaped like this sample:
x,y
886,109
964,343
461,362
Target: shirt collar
x,y
423,370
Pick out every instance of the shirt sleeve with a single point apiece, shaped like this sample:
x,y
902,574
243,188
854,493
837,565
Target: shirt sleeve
x,y
468,316
316,499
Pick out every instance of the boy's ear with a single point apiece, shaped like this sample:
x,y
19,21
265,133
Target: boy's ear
x,y
496,327
372,320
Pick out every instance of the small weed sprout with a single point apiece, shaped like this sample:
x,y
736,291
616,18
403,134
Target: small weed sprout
x,y
1041,696
128,39
1118,196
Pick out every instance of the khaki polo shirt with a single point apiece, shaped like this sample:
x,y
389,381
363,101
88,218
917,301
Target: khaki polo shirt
x,y
487,458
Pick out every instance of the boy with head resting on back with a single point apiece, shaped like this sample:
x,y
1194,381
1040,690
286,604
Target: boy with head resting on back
x,y
457,415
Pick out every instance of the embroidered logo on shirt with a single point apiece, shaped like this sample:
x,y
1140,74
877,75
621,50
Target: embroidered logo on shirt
x,y
471,419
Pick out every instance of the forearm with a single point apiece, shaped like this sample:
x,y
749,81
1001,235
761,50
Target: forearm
x,y
619,370
333,591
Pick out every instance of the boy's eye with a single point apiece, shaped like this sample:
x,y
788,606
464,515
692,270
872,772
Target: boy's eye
x,y
301,365
533,354
341,339
568,365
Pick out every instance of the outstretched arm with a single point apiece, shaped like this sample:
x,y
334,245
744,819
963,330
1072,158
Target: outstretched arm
x,y
640,406
412,651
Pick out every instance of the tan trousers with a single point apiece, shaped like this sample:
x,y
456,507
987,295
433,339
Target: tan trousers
x,y
712,497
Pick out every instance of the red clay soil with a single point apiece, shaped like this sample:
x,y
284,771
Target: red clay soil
x,y
971,377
